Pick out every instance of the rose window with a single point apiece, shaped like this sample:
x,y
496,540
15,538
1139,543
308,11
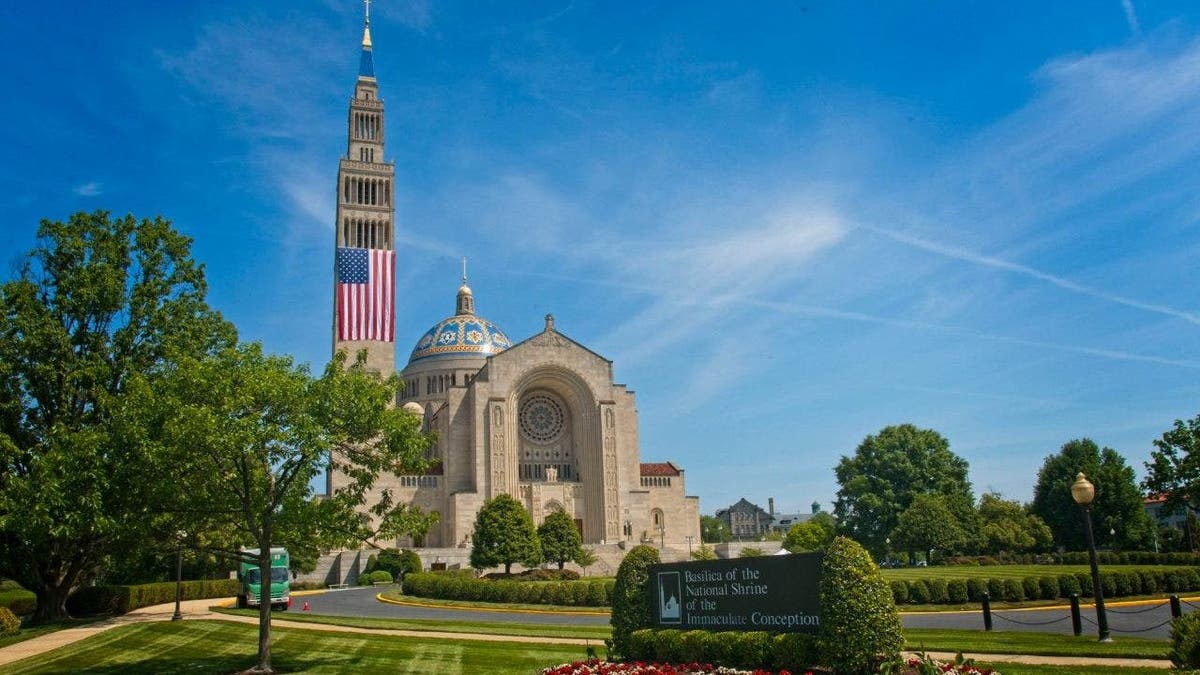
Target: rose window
x,y
542,418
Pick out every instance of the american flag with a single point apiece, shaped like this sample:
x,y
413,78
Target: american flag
x,y
366,281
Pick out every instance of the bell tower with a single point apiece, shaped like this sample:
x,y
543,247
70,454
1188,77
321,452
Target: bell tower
x,y
365,264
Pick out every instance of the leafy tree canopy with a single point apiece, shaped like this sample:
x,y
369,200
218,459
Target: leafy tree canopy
x,y
814,534
559,538
929,524
713,530
887,472
1174,467
1006,526
504,535
96,304
1117,506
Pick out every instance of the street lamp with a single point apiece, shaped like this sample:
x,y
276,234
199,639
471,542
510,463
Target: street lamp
x,y
1083,492
179,536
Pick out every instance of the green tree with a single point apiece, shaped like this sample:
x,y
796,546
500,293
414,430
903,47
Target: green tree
x,y
631,596
504,535
928,524
887,472
1174,470
97,302
705,552
1007,526
247,433
1117,506
814,534
859,621
559,538
713,530
585,558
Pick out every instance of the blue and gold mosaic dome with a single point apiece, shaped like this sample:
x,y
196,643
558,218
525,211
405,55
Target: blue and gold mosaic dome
x,y
461,335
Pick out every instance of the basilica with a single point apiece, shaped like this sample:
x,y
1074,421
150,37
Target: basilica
x,y
539,418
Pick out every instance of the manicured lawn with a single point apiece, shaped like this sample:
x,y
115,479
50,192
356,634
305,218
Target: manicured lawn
x,y
1023,642
598,633
32,632
221,647
1009,571
1025,669
11,593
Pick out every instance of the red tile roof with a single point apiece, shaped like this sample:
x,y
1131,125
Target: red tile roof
x,y
659,469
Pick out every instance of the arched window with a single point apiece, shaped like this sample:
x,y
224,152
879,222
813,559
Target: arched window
x,y
656,516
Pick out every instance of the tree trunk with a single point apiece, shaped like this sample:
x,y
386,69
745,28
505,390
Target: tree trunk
x,y
264,609
507,568
561,564
51,603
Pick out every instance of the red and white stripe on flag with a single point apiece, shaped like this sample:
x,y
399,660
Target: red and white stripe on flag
x,y
366,282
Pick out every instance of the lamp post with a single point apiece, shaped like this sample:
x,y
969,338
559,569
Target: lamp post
x,y
179,536
1083,492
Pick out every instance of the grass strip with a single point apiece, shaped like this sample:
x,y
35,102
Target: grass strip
x,y
432,602
598,633
28,633
223,647
1024,642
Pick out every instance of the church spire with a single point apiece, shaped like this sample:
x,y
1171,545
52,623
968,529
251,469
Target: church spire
x,y
366,65
466,299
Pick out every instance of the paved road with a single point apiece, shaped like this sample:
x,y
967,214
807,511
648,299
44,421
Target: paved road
x,y
1142,620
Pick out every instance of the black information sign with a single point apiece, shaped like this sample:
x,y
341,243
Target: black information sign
x,y
771,593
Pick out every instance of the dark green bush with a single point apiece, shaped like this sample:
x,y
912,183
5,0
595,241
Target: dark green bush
x,y
937,591
123,599
918,592
1085,583
9,623
1014,590
1033,590
751,649
1048,587
899,591
586,593
1185,641
1191,580
956,591
859,621
631,597
793,652
975,589
379,576
668,646
1108,582
1068,584
1150,583
995,589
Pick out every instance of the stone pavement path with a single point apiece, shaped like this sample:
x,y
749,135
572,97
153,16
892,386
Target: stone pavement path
x,y
199,609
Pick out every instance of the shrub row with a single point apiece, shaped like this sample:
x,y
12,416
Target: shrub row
x,y
735,649
122,599
376,577
1078,558
461,587
1116,583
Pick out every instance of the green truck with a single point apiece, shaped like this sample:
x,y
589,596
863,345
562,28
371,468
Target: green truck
x,y
251,576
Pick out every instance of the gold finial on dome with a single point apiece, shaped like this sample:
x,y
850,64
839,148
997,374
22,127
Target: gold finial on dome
x,y
367,26
466,300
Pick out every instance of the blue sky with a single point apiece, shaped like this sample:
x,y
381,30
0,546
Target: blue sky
x,y
788,224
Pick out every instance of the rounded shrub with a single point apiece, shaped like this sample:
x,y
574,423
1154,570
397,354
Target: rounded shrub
x,y
1108,582
1048,587
899,591
1033,590
1068,584
1085,583
1185,641
1014,590
859,620
975,589
794,652
995,588
668,646
918,592
938,594
1149,582
956,591
631,596
9,623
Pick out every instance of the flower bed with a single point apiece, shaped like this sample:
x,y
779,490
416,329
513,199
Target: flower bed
x,y
598,667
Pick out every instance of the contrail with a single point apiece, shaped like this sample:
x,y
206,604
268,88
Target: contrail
x,y
996,263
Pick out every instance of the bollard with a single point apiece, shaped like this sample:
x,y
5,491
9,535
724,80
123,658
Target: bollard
x,y
1176,607
1076,623
987,611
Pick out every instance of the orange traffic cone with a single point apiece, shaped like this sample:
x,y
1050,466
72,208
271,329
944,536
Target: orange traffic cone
x,y
305,606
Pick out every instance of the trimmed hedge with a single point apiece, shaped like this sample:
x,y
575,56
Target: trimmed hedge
x,y
123,599
582,593
734,649
9,623
1115,583
1079,558
380,576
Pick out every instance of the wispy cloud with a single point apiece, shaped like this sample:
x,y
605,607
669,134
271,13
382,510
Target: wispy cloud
x,y
972,257
1131,16
89,189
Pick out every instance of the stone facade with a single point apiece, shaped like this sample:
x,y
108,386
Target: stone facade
x,y
541,420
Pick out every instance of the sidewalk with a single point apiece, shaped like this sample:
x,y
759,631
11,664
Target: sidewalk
x,y
199,609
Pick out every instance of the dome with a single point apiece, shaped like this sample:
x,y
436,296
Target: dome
x,y
461,335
